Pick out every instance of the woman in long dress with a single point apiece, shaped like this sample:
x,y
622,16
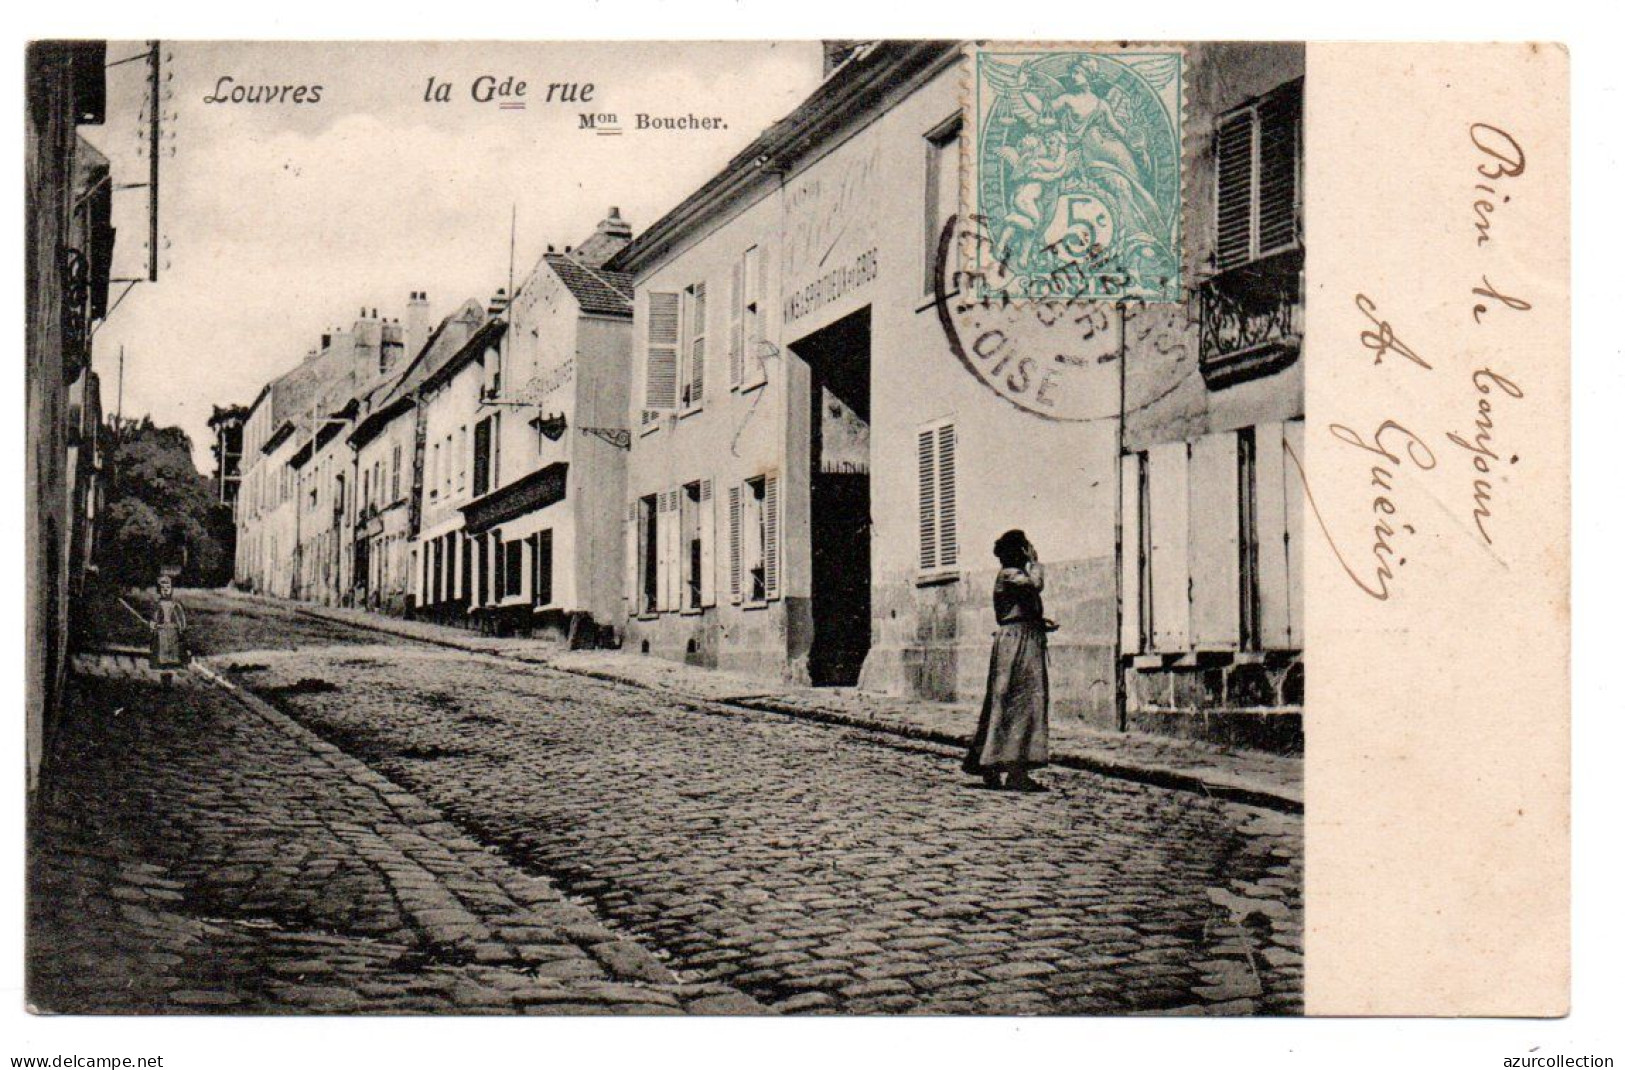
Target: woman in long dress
x,y
1012,736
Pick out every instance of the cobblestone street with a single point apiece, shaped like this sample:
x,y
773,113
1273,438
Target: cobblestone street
x,y
411,828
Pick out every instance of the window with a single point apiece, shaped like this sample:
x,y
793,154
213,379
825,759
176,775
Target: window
x,y
937,447
941,189
660,356
513,568
541,557
753,526
484,472
465,543
693,389
1257,156
689,540
366,486
395,474
648,555
462,457
448,460
745,321
434,471
698,533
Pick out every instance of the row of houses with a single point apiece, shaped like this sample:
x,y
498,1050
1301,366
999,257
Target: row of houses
x,y
70,236
758,437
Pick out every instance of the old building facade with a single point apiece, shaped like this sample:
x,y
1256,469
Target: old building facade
x,y
822,462
68,209
549,460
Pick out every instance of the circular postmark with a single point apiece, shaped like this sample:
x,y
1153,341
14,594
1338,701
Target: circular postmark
x,y
1054,359
1061,359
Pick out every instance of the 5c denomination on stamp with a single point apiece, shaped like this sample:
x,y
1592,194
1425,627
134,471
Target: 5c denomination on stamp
x,y
1075,161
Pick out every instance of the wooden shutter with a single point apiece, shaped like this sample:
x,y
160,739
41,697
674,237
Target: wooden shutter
x,y
632,557
754,372
1130,566
735,547
1271,471
482,456
770,535
1293,433
1170,534
663,530
694,388
1278,123
1233,149
1215,550
708,539
947,497
927,459
736,325
496,450
660,356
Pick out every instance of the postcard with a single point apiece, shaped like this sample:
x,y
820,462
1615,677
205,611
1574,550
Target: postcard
x,y
466,576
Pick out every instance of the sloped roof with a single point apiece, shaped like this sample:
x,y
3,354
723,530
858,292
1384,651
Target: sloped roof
x,y
596,290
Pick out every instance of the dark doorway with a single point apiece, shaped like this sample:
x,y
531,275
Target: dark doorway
x,y
838,358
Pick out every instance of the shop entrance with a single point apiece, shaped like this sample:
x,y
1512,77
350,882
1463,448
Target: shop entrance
x,y
838,359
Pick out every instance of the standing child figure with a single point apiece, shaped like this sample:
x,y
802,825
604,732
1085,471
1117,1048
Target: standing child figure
x,y
168,631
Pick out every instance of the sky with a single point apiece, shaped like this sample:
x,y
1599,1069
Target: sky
x,y
280,221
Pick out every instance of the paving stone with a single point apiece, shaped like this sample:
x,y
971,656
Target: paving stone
x,y
549,834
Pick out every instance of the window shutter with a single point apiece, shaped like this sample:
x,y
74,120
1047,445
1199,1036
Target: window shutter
x,y
947,498
753,372
1293,434
708,539
660,383
736,325
928,500
1130,568
1278,121
631,539
694,388
1215,553
1170,536
734,546
663,528
496,450
1271,471
1233,148
770,535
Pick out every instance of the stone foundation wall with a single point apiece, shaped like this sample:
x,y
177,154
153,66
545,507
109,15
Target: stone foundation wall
x,y
933,641
1245,700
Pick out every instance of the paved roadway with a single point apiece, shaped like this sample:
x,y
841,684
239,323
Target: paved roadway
x,y
810,867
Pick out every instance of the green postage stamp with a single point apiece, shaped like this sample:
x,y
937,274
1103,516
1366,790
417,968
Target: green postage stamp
x,y
1075,173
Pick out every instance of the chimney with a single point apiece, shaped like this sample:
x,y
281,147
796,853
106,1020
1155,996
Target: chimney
x,y
417,323
392,347
499,302
610,236
368,345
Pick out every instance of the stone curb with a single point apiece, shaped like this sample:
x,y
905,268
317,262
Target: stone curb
x,y
1248,794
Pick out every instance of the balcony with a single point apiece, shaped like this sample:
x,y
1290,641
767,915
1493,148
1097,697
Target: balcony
x,y
1252,319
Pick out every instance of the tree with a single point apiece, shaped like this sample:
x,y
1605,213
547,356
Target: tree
x,y
160,511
